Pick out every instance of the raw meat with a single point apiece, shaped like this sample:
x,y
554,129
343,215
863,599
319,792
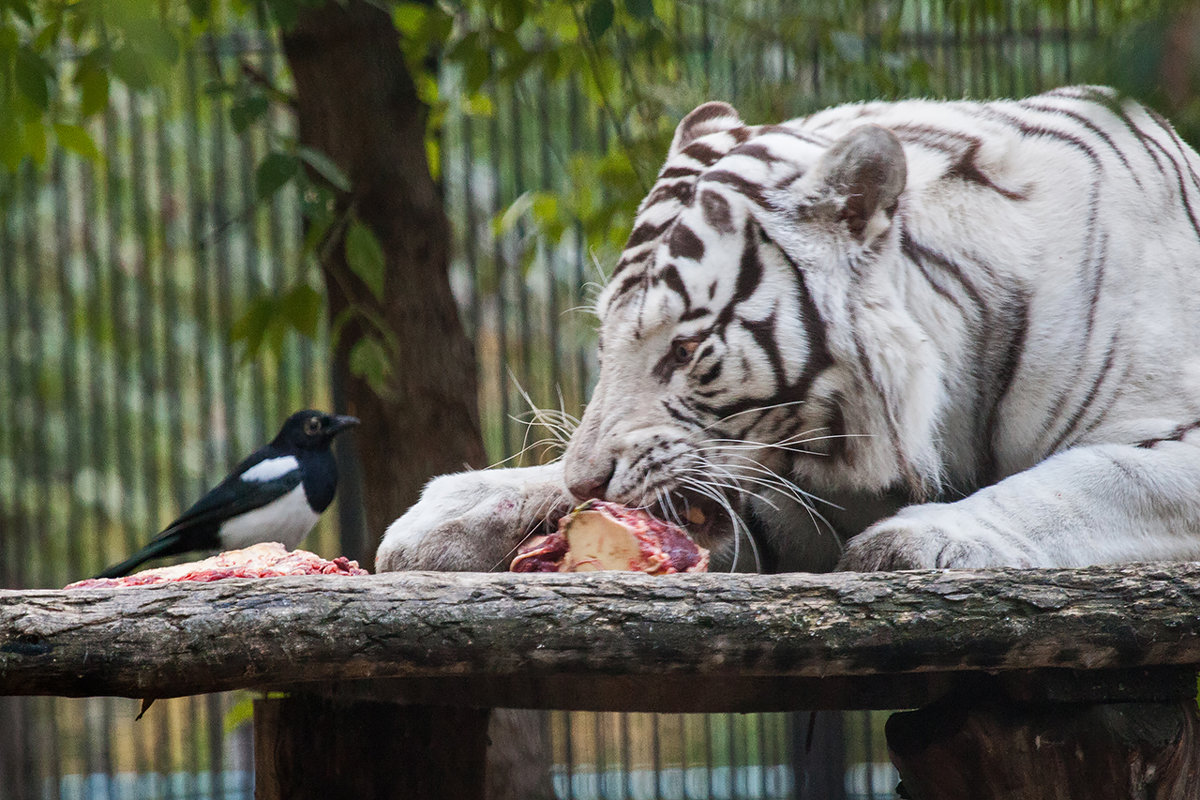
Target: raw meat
x,y
600,535
265,560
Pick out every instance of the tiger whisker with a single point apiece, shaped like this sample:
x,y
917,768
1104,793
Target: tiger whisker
x,y
779,480
753,410
739,525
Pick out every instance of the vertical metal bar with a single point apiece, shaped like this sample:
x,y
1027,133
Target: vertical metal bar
x,y
35,471
34,468
173,399
470,226
149,304
656,754
683,753
250,264
868,738
124,375
708,754
626,753
599,721
500,267
734,762
568,726
575,131
199,229
224,223
100,327
553,339
520,279
761,725
72,332
10,516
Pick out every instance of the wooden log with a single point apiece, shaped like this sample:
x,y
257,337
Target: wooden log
x,y
313,748
1002,749
190,638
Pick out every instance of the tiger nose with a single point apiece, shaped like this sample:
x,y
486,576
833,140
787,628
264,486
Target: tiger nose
x,y
591,487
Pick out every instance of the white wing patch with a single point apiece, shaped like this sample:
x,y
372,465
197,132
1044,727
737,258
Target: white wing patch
x,y
286,519
271,469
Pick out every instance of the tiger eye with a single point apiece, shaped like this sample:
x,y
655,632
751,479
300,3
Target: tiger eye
x,y
685,349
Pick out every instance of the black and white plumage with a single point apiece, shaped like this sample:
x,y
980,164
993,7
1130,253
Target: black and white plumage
x,y
274,495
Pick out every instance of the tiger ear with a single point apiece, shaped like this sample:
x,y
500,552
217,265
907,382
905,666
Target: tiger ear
x,y
859,177
709,118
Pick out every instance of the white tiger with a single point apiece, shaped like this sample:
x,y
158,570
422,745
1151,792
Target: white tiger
x,y
890,335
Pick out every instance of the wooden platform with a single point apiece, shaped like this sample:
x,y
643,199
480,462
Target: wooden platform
x,y
989,656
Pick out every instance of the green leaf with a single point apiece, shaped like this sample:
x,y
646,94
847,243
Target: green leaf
x,y
248,110
78,141
240,713
20,9
326,168
11,139
33,75
478,105
512,14
409,19
365,256
274,172
599,18
93,86
369,360
252,326
35,141
285,12
640,9
201,10
301,306
130,68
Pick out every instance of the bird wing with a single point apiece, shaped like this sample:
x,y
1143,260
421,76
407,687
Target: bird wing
x,y
256,481
262,477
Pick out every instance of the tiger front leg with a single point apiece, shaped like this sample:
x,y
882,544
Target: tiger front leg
x,y
474,520
1092,505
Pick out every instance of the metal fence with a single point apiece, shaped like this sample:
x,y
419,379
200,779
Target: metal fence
x,y
122,395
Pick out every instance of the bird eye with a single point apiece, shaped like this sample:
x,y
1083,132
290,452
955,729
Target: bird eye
x,y
684,349
312,425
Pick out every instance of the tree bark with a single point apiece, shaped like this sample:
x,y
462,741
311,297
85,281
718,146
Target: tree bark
x,y
1004,749
312,748
555,638
357,103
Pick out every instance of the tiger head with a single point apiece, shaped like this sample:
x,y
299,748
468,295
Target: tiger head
x,y
753,342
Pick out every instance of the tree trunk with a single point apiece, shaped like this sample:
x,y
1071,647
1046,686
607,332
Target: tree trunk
x,y
357,103
1003,749
313,748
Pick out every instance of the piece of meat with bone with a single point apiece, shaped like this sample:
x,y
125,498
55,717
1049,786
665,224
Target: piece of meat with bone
x,y
263,560
605,536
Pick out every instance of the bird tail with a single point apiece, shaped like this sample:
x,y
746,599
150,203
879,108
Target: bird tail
x,y
163,545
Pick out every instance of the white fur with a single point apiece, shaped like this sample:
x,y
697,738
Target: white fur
x,y
1035,367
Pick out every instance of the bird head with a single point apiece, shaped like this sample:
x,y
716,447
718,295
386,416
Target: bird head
x,y
313,430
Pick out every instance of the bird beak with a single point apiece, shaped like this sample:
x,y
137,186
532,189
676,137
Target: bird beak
x,y
340,423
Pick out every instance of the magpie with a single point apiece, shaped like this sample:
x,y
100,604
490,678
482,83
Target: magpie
x,y
274,495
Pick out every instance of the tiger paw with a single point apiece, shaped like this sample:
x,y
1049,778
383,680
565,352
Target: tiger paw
x,y
474,520
932,537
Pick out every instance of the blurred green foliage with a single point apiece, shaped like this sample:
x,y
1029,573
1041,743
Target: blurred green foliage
x,y
635,61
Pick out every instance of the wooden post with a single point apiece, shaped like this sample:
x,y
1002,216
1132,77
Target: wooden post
x,y
997,747
308,747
